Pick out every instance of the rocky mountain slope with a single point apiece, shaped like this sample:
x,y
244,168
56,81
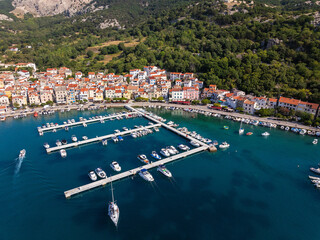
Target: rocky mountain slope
x,y
49,8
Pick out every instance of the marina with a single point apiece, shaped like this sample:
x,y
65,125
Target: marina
x,y
131,172
98,139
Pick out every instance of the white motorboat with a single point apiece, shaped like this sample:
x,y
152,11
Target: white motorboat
x,y
265,134
74,138
63,153
315,141
170,150
174,149
22,154
115,139
183,147
92,176
113,210
58,143
143,158
165,152
146,175
287,128
162,169
105,142
84,124
195,144
115,166
100,173
85,138
155,155
66,128
40,133
116,131
134,135
125,128
46,145
224,145
54,130
241,130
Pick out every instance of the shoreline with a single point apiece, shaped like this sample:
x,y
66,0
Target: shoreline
x,y
147,104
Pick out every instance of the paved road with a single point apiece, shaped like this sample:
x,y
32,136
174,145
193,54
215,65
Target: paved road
x,y
141,104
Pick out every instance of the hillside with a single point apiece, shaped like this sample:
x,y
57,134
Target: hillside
x,y
269,47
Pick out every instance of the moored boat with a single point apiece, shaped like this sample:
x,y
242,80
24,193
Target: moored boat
x,y
315,170
113,210
183,147
100,173
224,145
164,152
115,166
74,138
155,155
105,142
195,144
146,175
46,145
63,153
162,169
92,175
143,158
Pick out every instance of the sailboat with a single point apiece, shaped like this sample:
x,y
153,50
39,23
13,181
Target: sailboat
x,y
113,210
241,130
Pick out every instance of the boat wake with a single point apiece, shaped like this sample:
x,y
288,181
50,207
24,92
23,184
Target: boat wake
x,y
18,165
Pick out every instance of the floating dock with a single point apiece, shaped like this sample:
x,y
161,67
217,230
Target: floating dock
x,y
131,172
99,119
97,139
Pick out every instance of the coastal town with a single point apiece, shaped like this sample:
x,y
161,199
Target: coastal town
x,y
26,87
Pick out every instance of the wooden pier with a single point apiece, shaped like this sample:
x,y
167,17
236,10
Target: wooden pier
x,y
99,119
97,139
131,172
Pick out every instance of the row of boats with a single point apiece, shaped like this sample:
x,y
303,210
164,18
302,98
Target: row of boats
x,y
315,180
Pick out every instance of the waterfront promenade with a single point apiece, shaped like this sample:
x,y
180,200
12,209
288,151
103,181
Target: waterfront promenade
x,y
145,104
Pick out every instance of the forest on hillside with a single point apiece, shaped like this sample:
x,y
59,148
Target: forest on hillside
x,y
260,49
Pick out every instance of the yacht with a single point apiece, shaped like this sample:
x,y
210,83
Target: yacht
x,y
183,147
146,175
74,138
195,144
174,149
105,142
113,210
315,170
85,138
92,176
162,169
224,145
143,158
115,166
22,154
170,150
265,134
58,143
165,152
63,153
155,155
46,145
100,173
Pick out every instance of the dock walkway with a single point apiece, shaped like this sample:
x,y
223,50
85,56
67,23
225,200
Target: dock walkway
x,y
99,119
131,172
96,139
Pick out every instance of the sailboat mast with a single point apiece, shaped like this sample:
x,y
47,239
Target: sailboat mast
x,y
112,192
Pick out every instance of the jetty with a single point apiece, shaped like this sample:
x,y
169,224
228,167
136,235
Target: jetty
x,y
131,172
97,139
103,182
73,124
172,129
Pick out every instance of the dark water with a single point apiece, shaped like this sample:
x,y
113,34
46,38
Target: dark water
x,y
256,189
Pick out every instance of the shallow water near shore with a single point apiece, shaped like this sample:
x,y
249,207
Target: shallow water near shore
x,y
256,189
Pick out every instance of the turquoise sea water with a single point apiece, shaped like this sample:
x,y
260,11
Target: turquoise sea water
x,y
256,189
